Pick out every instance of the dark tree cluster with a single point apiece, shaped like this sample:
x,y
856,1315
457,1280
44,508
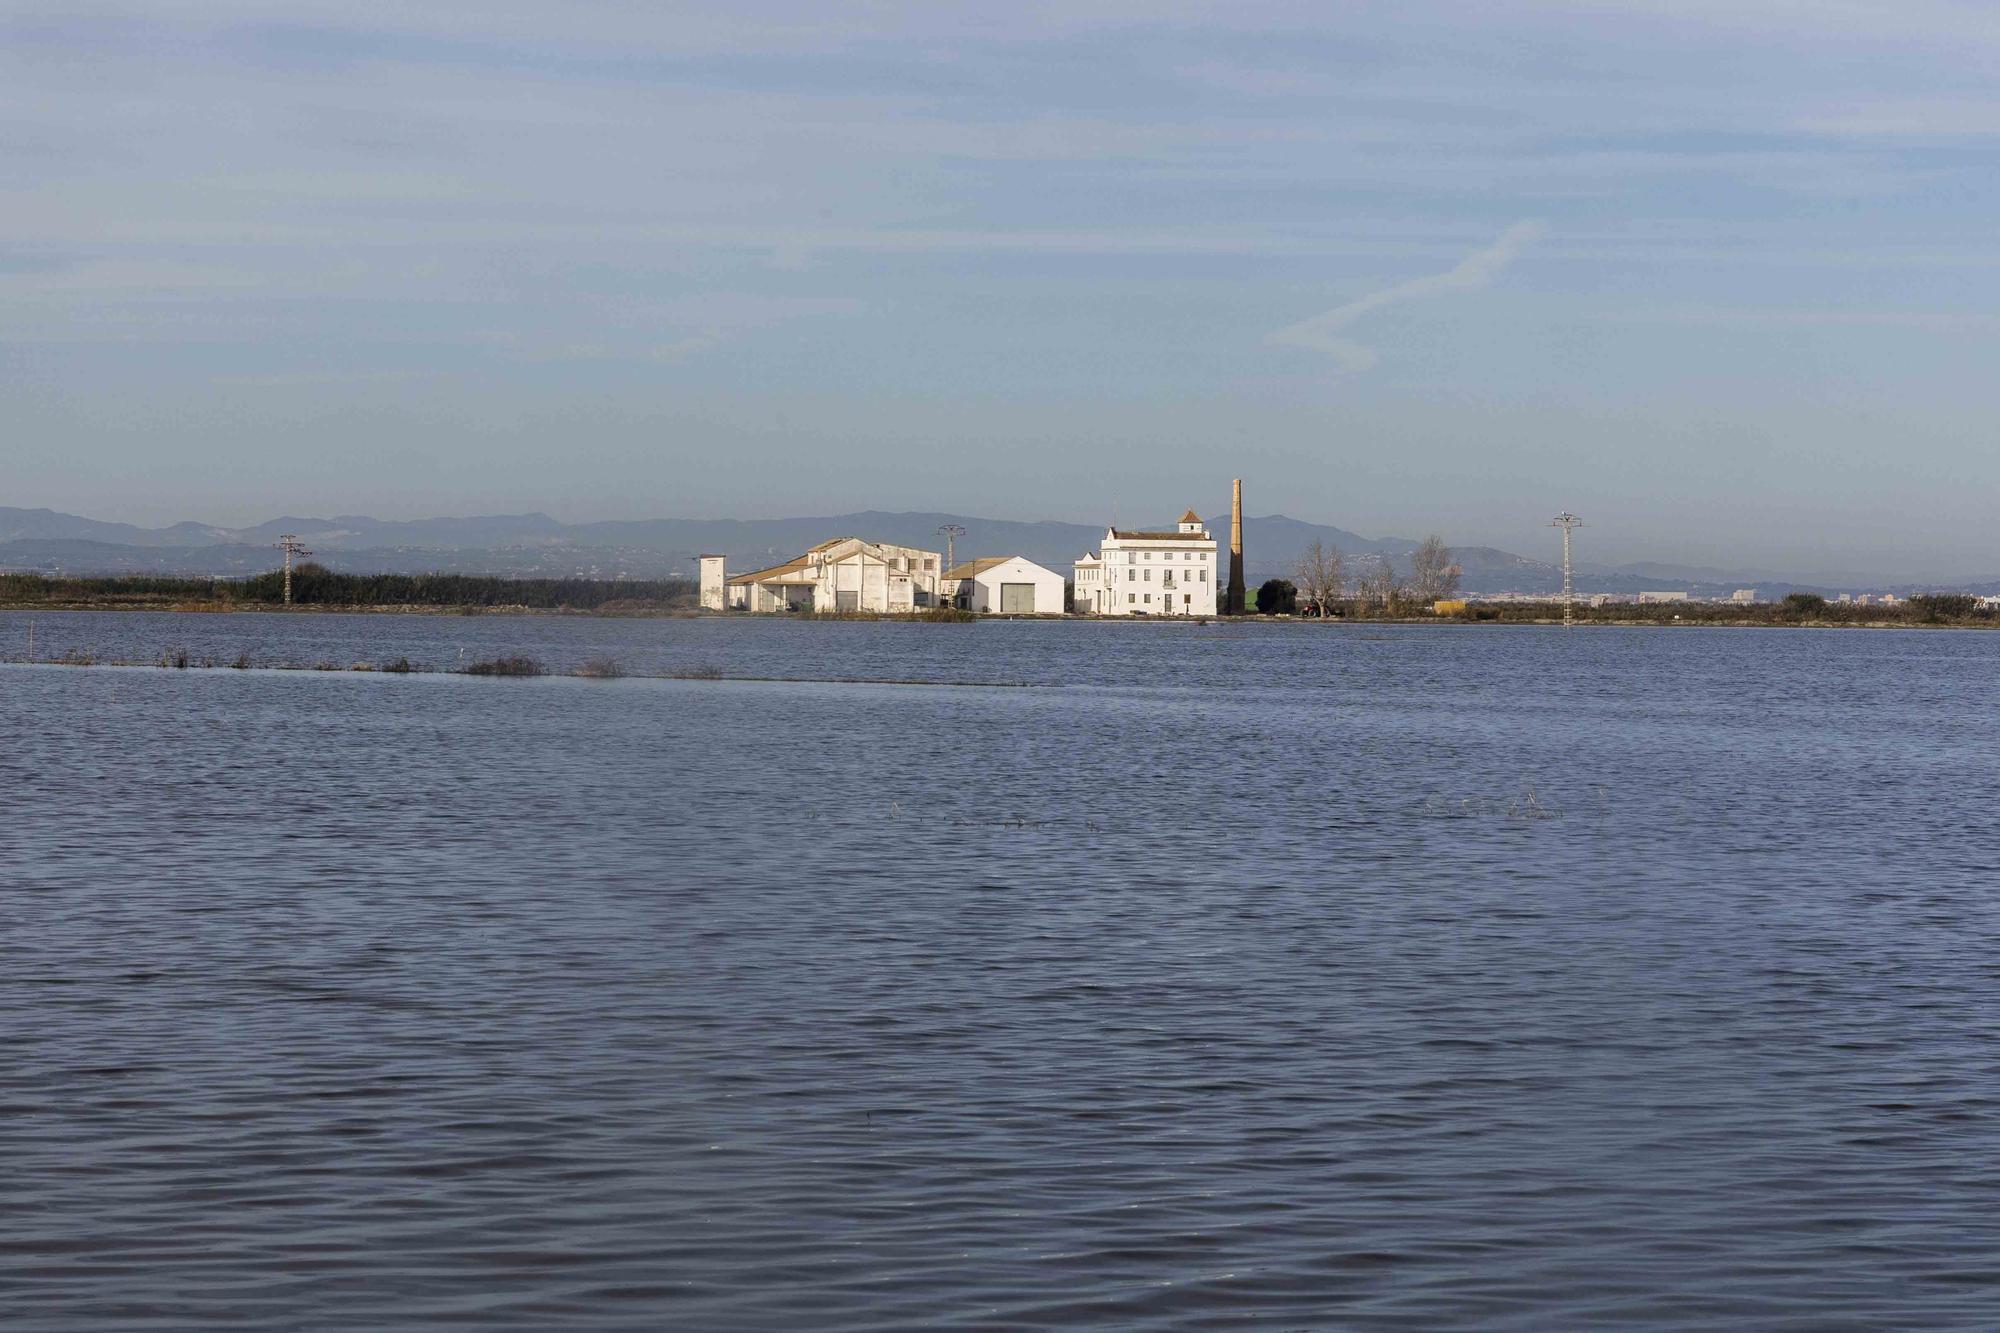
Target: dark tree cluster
x,y
315,585
1278,597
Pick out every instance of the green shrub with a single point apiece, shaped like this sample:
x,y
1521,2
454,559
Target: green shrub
x,y
1278,597
1804,603
1933,607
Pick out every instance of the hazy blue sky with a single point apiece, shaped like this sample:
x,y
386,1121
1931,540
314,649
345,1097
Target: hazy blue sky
x,y
1723,276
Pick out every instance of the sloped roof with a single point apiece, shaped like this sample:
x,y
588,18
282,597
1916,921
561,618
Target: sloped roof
x,y
971,569
861,545
775,571
1190,516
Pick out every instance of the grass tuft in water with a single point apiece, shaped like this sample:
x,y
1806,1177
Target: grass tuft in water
x,y
507,666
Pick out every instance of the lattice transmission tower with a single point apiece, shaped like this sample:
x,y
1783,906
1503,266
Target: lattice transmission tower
x,y
293,548
1569,523
951,532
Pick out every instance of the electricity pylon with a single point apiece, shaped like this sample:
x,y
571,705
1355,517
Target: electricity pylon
x,y
292,547
951,532
1569,523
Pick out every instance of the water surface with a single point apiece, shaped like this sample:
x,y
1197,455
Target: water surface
x,y
1303,977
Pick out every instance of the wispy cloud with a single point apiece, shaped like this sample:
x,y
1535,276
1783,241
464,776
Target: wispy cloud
x,y
1323,333
1915,118
1954,323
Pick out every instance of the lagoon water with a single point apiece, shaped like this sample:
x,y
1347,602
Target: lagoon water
x,y
1147,976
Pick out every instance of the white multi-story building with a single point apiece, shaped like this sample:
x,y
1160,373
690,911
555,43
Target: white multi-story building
x,y
1140,573
845,574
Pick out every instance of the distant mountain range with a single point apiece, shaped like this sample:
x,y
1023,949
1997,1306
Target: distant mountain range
x,y
537,545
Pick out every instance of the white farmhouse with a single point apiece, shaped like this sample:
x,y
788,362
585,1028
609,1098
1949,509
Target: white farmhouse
x,y
1011,585
845,574
1150,573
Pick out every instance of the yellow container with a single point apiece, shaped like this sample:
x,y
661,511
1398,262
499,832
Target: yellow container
x,y
1451,608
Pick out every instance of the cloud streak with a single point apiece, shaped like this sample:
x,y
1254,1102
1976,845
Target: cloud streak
x,y
1324,333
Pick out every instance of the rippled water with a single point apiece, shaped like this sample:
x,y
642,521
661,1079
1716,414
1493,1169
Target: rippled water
x,y
1306,977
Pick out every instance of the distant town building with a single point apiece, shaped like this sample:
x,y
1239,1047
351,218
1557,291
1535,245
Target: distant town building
x,y
1006,585
1743,596
1654,598
1141,573
845,574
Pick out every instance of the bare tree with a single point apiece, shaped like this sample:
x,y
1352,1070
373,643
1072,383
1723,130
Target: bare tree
x,y
1432,574
1321,578
1379,587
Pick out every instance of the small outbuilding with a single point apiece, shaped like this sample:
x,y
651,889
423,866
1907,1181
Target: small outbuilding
x,y
1008,585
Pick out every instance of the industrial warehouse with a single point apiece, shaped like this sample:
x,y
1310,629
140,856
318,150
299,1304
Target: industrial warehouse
x,y
1135,572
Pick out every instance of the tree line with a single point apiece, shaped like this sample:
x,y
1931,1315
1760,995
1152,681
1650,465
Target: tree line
x,y
1321,584
316,585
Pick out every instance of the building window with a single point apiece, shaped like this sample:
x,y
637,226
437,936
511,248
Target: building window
x,y
1149,599
1204,576
1131,597
1131,557
1149,576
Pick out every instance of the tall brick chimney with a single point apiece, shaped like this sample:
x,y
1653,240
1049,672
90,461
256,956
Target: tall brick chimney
x,y
1236,606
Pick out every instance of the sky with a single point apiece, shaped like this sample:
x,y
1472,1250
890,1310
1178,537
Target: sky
x,y
1721,277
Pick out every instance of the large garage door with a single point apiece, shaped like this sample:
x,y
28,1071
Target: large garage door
x,y
1017,599
846,601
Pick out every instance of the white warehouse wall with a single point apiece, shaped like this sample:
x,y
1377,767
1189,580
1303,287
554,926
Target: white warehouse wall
x,y
982,590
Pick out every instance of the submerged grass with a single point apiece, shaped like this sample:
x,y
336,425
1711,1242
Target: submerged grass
x,y
501,666
507,666
941,615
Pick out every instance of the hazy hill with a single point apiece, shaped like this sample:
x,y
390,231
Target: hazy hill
x,y
536,544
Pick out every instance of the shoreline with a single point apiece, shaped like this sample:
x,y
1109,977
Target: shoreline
x,y
695,676
1497,621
